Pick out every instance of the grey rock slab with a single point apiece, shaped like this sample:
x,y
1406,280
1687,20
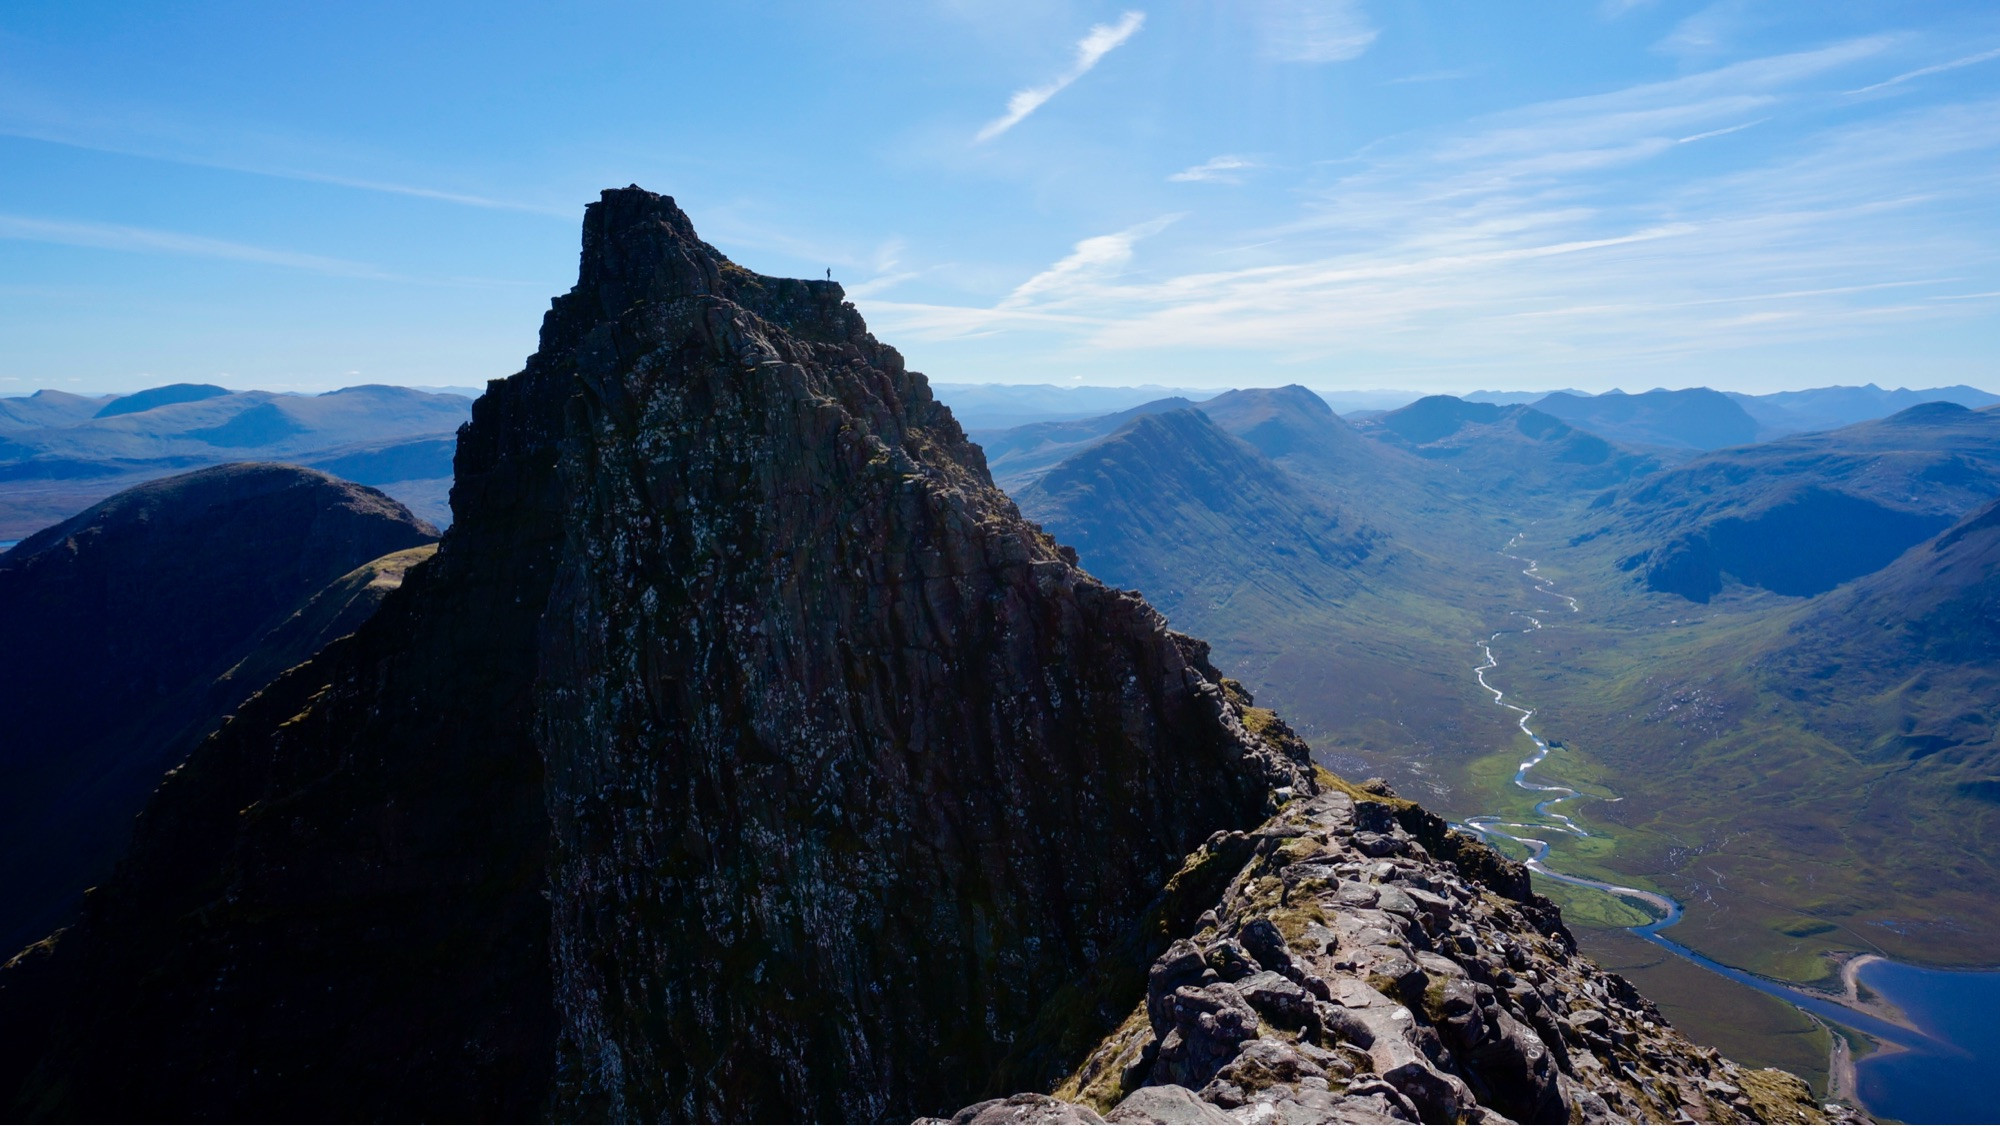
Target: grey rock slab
x,y
1026,1109
1166,1103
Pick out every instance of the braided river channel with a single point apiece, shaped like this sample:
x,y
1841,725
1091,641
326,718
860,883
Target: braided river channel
x,y
1939,1066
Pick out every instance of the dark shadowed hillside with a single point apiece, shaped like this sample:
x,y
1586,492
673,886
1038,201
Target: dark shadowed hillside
x,y
118,623
1021,454
1919,638
165,396
1170,504
1803,514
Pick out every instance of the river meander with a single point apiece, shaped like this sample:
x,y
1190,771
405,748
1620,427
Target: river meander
x,y
1935,1066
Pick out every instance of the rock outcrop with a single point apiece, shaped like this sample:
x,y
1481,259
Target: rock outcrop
x,y
1366,964
117,629
741,754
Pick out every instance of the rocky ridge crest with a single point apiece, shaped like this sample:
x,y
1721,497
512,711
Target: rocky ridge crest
x,y
1365,963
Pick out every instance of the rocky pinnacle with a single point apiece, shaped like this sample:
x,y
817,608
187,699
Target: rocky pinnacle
x,y
742,754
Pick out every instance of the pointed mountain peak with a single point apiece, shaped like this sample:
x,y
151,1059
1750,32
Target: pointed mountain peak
x,y
638,245
640,248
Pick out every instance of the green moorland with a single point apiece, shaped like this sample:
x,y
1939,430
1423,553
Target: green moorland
x,y
1763,811
1765,807
1808,777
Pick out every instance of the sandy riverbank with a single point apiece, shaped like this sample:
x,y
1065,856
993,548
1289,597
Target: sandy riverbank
x,y
1840,1083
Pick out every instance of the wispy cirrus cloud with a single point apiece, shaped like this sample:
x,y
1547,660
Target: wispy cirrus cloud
x,y
152,240
1565,235
1315,31
1927,71
1707,32
1100,41
1722,132
1432,76
1089,262
1226,169
72,136
146,240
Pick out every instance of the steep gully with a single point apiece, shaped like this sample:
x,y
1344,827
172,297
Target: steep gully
x,y
1665,910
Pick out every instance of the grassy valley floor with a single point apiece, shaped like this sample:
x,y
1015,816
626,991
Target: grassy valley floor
x,y
1790,851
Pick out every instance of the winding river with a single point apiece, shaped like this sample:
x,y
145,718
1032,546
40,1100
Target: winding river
x,y
1923,1073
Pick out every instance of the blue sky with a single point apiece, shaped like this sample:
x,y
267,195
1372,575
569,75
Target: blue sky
x,y
1362,194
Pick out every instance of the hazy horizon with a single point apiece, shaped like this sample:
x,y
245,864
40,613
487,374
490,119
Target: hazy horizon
x,y
1320,389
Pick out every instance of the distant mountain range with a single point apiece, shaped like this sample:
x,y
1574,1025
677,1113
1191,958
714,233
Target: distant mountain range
x,y
60,453
1692,419
998,406
1828,408
1697,418
1803,514
1508,448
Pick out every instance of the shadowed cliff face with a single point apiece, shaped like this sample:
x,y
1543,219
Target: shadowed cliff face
x,y
742,754
848,766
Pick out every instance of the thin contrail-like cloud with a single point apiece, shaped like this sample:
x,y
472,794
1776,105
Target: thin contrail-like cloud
x,y
112,236
1922,72
1101,41
466,199
1223,168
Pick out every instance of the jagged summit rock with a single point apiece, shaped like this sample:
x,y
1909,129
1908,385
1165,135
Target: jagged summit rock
x,y
741,754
